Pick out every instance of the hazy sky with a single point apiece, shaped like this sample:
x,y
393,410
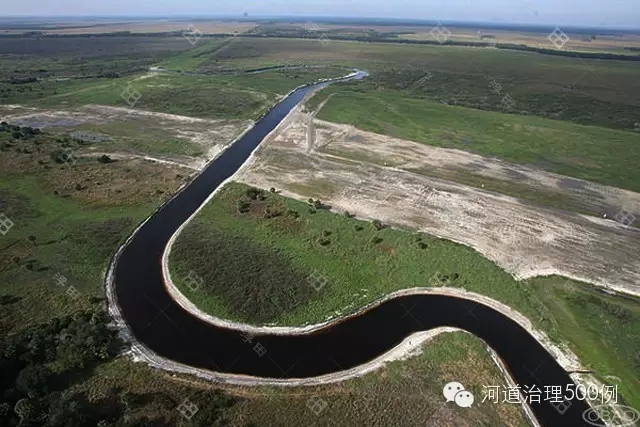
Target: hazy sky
x,y
569,12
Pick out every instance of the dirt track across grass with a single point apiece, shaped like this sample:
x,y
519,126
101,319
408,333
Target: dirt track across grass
x,y
189,141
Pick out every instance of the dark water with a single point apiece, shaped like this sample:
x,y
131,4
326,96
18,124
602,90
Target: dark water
x,y
164,327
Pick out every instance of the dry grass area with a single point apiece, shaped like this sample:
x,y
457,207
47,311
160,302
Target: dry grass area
x,y
187,141
141,27
577,41
413,185
580,42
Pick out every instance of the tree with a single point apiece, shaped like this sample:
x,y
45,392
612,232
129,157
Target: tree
x,y
27,410
70,412
34,380
105,159
129,400
5,412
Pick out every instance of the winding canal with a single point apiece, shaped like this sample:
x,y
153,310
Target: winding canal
x,y
162,326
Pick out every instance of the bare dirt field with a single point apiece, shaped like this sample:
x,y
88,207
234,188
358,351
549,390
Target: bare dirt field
x,y
188,141
396,181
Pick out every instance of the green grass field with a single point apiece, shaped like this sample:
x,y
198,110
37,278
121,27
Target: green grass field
x,y
69,219
583,91
593,153
217,97
259,260
593,322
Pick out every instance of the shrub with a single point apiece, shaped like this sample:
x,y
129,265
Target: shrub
x,y
254,194
242,206
293,214
324,242
105,159
377,224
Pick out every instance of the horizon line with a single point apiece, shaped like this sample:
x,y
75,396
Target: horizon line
x,y
259,17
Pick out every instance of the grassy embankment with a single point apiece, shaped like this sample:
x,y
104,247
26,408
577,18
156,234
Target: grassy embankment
x,y
256,256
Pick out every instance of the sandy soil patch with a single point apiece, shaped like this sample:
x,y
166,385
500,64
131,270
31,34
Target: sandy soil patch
x,y
213,136
374,176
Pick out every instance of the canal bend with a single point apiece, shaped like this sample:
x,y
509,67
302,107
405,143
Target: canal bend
x,y
163,327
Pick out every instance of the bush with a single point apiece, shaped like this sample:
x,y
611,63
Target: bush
x,y
255,194
34,380
105,159
323,241
377,224
242,206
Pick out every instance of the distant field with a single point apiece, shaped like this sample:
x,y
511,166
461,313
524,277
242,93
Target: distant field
x,y
580,40
30,57
269,248
233,97
584,91
577,41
